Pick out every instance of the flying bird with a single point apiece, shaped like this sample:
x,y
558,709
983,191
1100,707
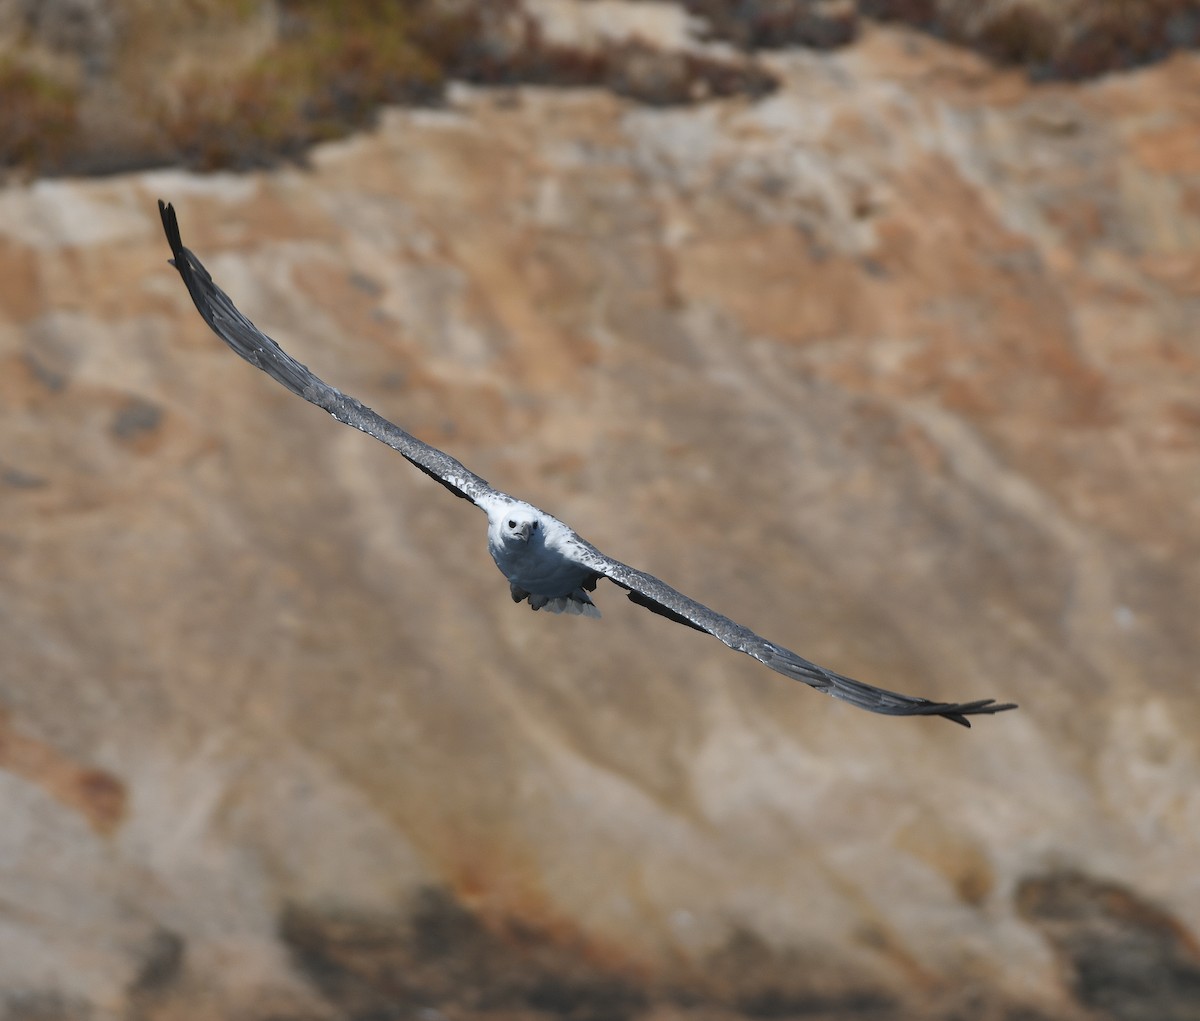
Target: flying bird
x,y
546,563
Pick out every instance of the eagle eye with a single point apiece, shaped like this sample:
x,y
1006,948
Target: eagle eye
x,y
512,523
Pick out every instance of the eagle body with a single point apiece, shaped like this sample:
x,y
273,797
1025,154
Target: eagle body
x,y
538,554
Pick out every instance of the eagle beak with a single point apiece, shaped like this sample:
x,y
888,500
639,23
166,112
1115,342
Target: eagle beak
x,y
525,530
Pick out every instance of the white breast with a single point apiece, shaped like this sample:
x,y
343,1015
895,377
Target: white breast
x,y
542,565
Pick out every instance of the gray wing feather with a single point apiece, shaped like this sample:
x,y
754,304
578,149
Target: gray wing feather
x,y
248,341
657,596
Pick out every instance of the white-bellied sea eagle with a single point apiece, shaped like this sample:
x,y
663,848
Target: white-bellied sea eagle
x,y
544,561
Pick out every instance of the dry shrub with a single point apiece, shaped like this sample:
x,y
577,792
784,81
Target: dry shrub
x,y
498,43
754,24
1070,39
333,65
238,83
38,117
1018,35
243,83
924,14
1118,34
330,70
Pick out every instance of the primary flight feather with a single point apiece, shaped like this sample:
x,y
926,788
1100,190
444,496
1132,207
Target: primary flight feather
x,y
543,559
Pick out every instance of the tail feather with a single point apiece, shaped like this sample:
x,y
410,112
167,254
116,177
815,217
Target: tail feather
x,y
576,604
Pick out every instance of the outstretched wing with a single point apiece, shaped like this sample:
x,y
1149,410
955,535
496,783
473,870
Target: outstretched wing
x,y
657,596
258,349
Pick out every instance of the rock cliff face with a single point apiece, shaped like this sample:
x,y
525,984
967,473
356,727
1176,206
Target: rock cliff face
x,y
898,366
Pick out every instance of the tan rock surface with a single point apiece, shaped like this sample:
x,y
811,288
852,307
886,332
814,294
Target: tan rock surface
x,y
898,366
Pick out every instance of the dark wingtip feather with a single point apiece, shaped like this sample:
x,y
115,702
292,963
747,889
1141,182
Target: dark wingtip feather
x,y
867,696
171,226
984,707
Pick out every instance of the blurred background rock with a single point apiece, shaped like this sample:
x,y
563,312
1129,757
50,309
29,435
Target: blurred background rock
x,y
872,325
98,86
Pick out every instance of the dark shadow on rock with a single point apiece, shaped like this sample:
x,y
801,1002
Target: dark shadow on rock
x,y
439,955
1123,957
